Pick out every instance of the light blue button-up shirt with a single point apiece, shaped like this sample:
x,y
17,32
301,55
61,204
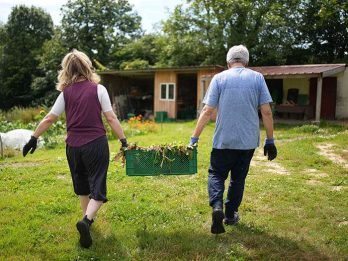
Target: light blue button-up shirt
x,y
237,94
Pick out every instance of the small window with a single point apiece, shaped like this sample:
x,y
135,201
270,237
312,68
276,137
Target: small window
x,y
171,92
168,91
163,91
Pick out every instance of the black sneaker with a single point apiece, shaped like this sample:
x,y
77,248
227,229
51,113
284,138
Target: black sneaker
x,y
85,235
218,216
232,221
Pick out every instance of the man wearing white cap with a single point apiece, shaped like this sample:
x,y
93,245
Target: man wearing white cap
x,y
237,93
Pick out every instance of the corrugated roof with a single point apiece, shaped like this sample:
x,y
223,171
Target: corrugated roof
x,y
306,70
314,70
153,70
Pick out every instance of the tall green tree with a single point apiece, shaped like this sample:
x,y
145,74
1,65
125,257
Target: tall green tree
x,y
25,32
184,40
2,44
203,32
2,38
43,86
99,27
323,31
140,53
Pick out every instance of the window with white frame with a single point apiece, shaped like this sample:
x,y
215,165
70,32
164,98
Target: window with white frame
x,y
167,91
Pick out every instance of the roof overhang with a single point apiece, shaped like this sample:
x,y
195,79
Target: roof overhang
x,y
300,71
152,71
269,72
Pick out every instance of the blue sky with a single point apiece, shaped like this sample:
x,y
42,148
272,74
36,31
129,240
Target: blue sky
x,y
151,11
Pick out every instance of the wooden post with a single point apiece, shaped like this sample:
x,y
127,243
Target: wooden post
x,y
2,149
318,104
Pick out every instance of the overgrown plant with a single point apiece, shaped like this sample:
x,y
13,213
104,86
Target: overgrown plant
x,y
23,115
163,153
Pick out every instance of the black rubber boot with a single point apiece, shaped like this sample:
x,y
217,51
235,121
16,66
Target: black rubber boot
x,y
85,235
232,221
217,226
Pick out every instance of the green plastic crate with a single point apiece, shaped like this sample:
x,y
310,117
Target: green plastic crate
x,y
149,163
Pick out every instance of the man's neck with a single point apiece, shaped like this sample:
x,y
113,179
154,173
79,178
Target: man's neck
x,y
234,65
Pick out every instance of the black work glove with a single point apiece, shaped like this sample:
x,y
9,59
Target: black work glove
x,y
270,149
124,144
30,146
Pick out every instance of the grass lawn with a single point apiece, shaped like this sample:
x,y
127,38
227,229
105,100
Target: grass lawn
x,y
294,208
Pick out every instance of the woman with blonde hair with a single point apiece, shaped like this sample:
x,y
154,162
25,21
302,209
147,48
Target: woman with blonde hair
x,y
87,150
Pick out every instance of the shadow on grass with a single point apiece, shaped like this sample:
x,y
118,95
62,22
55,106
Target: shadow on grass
x,y
239,242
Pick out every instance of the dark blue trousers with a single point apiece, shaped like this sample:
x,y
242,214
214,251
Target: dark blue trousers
x,y
223,161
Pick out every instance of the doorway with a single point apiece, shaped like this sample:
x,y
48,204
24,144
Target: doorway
x,y
186,96
133,95
275,87
328,97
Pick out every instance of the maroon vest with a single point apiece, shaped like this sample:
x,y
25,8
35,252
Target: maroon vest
x,y
83,113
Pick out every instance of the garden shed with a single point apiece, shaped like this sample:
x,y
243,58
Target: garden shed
x,y
313,91
177,91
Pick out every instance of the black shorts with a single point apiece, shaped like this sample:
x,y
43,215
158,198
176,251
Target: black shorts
x,y
89,166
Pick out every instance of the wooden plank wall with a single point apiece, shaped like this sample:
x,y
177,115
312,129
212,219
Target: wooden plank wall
x,y
205,75
168,106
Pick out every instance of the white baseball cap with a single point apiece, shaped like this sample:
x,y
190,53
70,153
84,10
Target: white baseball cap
x,y
238,53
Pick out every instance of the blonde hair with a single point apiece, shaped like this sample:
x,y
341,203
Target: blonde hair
x,y
76,66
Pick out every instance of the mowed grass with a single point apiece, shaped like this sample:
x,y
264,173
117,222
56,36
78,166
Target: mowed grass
x,y
295,208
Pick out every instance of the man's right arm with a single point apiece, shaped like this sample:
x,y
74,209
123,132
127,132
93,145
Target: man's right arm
x,y
211,101
203,119
269,149
267,119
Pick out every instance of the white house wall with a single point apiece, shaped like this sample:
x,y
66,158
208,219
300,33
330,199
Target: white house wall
x,y
298,83
342,95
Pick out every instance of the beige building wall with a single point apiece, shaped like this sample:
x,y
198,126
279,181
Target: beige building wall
x,y
203,81
161,105
204,78
342,95
298,83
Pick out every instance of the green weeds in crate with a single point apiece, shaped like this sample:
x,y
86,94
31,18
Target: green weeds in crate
x,y
172,158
